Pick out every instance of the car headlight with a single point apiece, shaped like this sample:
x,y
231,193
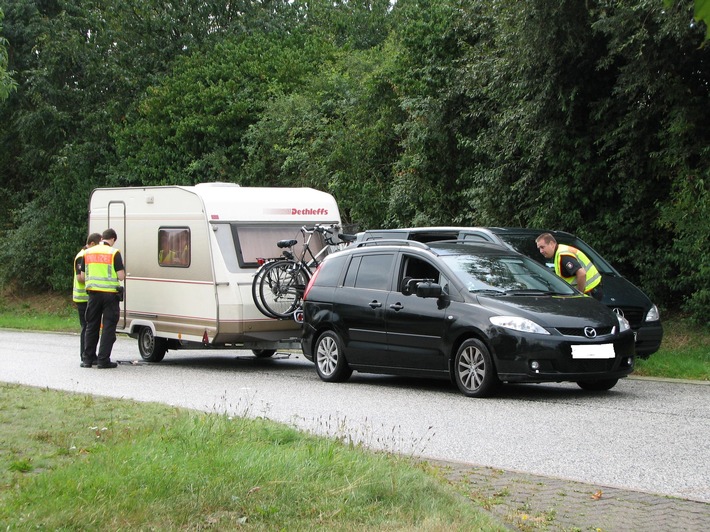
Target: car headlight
x,y
624,324
518,324
653,314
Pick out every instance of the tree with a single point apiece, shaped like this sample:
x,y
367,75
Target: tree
x,y
7,84
337,134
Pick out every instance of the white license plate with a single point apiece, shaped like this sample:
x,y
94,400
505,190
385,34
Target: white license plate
x,y
593,351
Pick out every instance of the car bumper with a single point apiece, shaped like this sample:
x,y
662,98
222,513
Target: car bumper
x,y
550,359
307,339
648,339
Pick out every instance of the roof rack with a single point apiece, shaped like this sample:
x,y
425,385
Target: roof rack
x,y
392,242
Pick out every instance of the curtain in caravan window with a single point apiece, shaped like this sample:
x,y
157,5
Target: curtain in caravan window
x,y
174,247
259,242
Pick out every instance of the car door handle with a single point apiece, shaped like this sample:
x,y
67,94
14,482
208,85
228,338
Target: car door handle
x,y
375,304
397,306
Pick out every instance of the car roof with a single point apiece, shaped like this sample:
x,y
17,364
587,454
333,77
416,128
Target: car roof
x,y
438,248
457,229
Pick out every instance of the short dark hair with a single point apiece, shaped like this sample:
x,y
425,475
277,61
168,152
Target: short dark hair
x,y
93,238
109,234
547,237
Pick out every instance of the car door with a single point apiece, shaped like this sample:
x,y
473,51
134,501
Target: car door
x,y
416,325
359,305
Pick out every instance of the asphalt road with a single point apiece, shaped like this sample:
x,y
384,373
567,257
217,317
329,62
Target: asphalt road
x,y
644,435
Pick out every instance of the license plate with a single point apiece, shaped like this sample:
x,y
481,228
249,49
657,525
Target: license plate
x,y
593,351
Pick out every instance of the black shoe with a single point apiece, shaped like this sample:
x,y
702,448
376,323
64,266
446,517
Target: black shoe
x,y
85,364
106,365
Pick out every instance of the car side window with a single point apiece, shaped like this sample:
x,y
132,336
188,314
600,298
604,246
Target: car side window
x,y
370,271
415,268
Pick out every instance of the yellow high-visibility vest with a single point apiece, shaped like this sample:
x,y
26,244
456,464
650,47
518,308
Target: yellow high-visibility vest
x,y
98,269
593,276
79,294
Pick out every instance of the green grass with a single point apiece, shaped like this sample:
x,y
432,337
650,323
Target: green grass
x,y
71,461
684,353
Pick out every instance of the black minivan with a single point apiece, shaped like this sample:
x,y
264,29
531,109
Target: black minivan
x,y
620,295
479,314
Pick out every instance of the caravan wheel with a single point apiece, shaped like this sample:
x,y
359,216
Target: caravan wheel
x,y
152,349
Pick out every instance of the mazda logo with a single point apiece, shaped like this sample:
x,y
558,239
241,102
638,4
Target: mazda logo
x,y
590,332
618,311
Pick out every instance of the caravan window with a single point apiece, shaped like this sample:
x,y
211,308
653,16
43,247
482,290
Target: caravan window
x,y
254,242
174,247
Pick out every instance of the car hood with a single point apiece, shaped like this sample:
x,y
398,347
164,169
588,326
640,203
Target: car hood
x,y
618,291
553,311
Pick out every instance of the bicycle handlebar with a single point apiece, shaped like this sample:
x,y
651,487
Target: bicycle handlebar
x,y
318,228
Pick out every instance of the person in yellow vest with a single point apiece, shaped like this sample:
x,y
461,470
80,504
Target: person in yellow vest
x,y
103,273
572,265
79,295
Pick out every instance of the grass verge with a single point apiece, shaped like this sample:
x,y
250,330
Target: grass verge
x,y
72,461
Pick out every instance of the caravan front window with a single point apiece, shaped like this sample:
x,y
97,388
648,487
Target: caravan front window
x,y
254,242
174,247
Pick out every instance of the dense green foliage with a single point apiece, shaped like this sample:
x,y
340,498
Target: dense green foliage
x,y
590,117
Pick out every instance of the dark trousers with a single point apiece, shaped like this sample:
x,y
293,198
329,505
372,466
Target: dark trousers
x,y
102,306
81,309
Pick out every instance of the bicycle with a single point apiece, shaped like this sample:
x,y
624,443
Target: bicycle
x,y
279,284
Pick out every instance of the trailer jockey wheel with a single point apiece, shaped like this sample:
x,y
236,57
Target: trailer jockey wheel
x,y
152,348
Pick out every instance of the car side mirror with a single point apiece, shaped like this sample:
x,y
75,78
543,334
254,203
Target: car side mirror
x,y
428,289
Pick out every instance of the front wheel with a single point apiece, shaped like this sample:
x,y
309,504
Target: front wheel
x,y
474,372
331,365
152,348
600,385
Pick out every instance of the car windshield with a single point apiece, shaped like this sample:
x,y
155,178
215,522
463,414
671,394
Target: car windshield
x,y
505,274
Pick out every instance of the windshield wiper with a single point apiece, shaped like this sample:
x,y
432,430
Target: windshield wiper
x,y
529,292
491,291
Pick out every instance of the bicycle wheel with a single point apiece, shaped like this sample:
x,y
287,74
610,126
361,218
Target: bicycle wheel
x,y
256,288
281,288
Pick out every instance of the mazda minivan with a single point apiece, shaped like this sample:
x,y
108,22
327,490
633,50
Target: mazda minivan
x,y
478,314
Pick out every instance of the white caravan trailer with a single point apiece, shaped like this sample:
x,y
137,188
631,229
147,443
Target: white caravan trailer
x,y
190,255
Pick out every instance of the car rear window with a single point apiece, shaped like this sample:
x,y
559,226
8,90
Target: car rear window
x,y
329,273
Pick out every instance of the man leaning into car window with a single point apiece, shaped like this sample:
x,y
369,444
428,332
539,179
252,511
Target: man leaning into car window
x,y
572,265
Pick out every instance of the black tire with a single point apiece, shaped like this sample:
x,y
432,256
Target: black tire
x,y
281,288
601,385
329,357
255,288
474,372
152,348
263,353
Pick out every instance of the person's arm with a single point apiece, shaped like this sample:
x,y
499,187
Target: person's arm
x,y
118,266
79,268
581,275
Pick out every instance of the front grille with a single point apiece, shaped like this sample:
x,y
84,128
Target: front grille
x,y
579,331
634,315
